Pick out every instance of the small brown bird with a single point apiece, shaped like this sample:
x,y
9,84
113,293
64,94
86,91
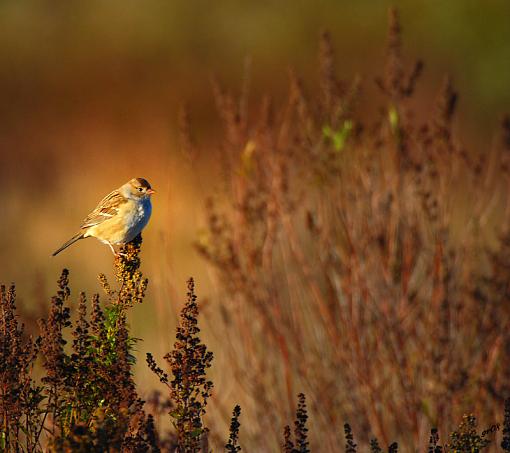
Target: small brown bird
x,y
119,217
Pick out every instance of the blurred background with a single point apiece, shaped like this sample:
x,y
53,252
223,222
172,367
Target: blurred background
x,y
90,98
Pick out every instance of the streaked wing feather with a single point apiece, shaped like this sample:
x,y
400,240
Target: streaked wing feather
x,y
106,209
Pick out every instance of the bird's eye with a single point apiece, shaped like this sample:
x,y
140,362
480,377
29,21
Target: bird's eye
x,y
140,189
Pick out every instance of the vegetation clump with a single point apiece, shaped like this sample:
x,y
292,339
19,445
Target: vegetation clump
x,y
189,388
364,253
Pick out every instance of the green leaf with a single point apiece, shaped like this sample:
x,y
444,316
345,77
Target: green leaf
x,y
176,414
339,138
393,118
196,432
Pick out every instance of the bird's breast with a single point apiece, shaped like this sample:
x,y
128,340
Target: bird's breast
x,y
136,215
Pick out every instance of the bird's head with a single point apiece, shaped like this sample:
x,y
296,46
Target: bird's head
x,y
137,189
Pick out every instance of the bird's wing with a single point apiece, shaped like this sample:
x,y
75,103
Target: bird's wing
x,y
106,209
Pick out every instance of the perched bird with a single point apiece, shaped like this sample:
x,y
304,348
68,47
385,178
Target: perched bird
x,y
119,217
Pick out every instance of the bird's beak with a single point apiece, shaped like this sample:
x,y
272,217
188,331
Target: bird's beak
x,y
151,191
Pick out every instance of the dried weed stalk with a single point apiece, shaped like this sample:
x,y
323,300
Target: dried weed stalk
x,y
189,388
366,263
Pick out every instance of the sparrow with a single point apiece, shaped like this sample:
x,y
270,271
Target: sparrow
x,y
119,217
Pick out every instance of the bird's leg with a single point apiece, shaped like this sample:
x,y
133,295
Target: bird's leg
x,y
113,250
116,254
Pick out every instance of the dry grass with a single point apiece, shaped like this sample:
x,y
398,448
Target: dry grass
x,y
353,262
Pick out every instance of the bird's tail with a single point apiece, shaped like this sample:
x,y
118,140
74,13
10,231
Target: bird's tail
x,y
69,242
